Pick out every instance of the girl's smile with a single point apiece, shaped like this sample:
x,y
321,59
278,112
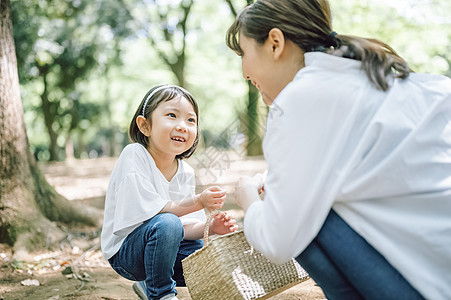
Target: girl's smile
x,y
178,139
173,129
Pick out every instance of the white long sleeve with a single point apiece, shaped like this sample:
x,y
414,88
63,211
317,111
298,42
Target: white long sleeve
x,y
381,160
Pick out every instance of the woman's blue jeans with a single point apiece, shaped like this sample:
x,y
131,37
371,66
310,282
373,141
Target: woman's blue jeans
x,y
154,252
345,266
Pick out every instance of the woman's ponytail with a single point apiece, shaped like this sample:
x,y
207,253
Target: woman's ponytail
x,y
379,60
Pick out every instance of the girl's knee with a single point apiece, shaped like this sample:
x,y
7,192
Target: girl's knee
x,y
168,226
170,221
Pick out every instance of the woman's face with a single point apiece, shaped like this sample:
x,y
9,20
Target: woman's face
x,y
257,68
271,66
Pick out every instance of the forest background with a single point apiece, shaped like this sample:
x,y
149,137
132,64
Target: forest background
x,y
84,66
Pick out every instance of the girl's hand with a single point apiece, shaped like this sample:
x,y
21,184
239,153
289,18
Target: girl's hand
x,y
223,224
212,198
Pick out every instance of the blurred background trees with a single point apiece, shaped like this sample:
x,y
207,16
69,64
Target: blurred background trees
x,y
84,66
30,207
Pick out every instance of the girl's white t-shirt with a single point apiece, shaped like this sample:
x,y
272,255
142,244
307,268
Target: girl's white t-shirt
x,y
381,160
137,191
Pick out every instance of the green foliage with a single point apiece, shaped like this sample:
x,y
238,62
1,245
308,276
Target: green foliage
x,y
58,43
420,31
100,58
18,264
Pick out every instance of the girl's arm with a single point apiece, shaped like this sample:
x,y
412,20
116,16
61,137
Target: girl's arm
x,y
194,231
211,198
221,224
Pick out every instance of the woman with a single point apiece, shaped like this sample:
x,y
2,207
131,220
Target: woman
x,y
358,148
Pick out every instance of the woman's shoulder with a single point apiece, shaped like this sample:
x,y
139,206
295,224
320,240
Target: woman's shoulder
x,y
431,82
325,73
323,78
330,62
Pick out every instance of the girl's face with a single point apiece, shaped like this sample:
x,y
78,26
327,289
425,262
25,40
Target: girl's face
x,y
174,127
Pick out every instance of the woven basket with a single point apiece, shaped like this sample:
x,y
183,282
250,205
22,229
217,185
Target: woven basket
x,y
229,268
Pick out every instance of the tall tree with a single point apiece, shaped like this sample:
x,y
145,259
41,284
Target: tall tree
x,y
28,204
166,28
253,134
115,18
59,43
58,56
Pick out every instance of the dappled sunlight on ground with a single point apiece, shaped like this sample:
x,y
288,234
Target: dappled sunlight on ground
x,y
77,269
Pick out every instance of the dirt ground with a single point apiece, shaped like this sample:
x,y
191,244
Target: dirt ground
x,y
77,270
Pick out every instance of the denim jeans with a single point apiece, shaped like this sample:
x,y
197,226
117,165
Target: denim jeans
x,y
345,266
153,252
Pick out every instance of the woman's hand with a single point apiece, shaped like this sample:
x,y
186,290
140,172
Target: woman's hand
x,y
212,198
248,189
222,223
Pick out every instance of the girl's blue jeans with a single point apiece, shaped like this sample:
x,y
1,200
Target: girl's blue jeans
x,y
345,266
154,252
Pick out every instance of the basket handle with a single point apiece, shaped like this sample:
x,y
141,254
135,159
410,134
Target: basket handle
x,y
207,225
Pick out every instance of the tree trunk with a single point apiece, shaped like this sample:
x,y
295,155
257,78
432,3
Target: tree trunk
x,y
28,204
254,141
49,109
69,149
179,69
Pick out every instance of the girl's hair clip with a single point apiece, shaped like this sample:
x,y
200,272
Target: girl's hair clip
x,y
151,94
159,89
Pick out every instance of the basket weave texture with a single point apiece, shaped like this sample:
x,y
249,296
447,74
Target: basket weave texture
x,y
229,268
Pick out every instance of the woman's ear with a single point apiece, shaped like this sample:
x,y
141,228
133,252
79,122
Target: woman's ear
x,y
143,125
276,41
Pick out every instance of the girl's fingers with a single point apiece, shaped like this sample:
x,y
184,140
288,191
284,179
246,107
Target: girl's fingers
x,y
219,202
232,222
216,189
221,198
220,215
218,194
224,218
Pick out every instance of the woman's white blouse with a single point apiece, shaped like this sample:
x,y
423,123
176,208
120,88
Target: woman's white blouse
x,y
137,191
381,160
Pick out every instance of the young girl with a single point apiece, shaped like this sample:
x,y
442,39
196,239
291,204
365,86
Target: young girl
x,y
153,219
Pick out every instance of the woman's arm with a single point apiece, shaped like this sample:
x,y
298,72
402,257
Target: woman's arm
x,y
306,148
248,190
